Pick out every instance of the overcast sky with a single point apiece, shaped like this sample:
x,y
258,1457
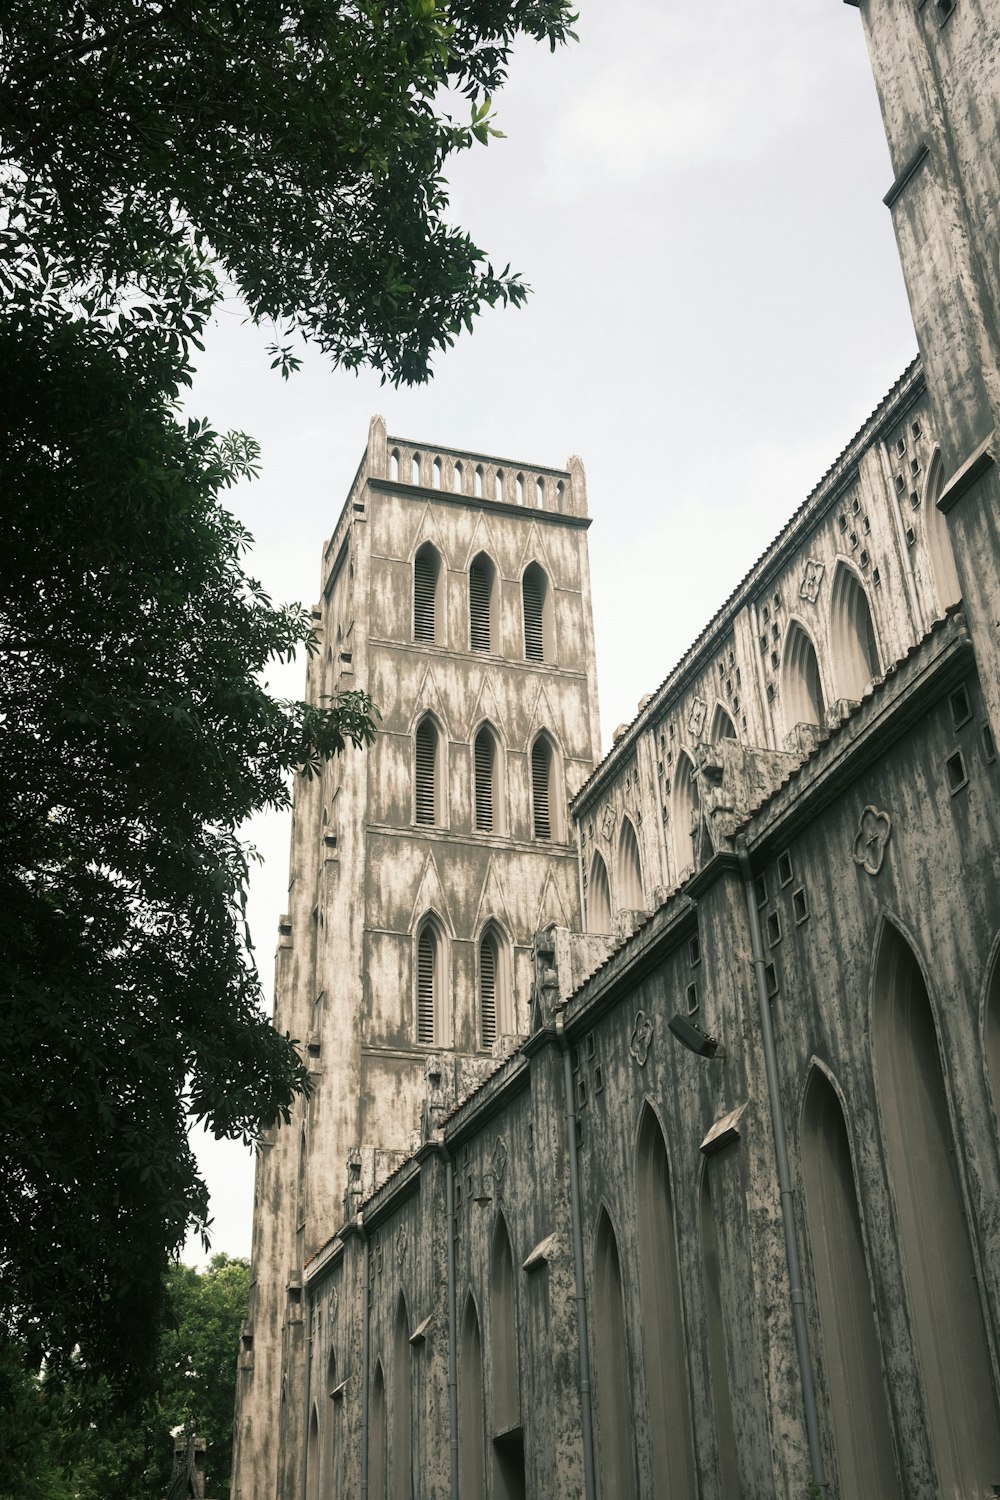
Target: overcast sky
x,y
694,193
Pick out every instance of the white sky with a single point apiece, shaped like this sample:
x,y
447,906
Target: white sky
x,y
694,194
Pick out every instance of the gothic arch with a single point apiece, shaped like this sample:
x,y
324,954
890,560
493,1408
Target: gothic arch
x,y
802,696
538,614
494,984
723,727
859,1410
671,1444
718,1361
489,811
428,612
991,1029
334,1407
547,811
431,982
508,1439
401,1447
685,800
483,622
313,1457
939,549
471,1408
960,1403
628,875
430,772
378,1436
615,1441
598,896
855,651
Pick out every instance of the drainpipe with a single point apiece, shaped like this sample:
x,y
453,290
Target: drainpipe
x,y
784,1177
449,1179
586,1413
365,1359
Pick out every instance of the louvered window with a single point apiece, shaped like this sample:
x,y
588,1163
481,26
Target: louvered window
x,y
533,589
426,983
480,590
485,768
541,776
426,773
488,966
425,576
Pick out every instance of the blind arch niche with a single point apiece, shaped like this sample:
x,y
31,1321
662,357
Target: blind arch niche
x,y
598,897
801,687
856,657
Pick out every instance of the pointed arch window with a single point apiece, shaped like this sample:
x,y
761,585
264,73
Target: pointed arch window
x,y
859,1411
629,875
801,688
430,985
508,1433
671,1445
496,1001
685,808
598,897
949,590
312,1458
488,783
401,1447
331,1483
543,807
960,1402
471,1409
378,1433
723,727
991,1036
482,578
537,606
611,1368
722,1403
427,777
855,647
426,582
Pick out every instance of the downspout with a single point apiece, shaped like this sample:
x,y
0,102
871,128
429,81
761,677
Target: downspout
x,y
365,1359
586,1413
784,1177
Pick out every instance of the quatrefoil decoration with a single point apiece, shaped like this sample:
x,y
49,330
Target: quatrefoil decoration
x,y
642,1038
871,839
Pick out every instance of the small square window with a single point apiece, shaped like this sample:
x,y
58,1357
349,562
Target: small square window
x,y
911,536
691,997
944,9
773,929
866,525
842,522
957,775
736,705
763,643
914,500
784,868
900,484
771,980
853,539
876,577
989,748
770,692
900,446
863,557
961,708
765,614
775,631
777,601
775,658
916,429
598,1079
855,505
694,952
760,890
914,467
800,906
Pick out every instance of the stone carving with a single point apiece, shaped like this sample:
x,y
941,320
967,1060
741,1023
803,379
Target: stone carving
x,y
608,822
696,723
401,1243
872,837
642,1038
811,580
498,1161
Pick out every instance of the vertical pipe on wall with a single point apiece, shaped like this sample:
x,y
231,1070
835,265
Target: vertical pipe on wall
x,y
784,1177
586,1411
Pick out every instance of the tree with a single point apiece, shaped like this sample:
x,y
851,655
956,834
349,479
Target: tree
x,y
146,150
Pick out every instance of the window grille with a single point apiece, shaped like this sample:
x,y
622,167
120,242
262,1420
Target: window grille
x,y
479,607
541,776
424,596
426,975
426,767
485,757
488,989
534,633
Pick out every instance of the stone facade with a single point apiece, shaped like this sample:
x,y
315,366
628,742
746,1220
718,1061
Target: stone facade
x,y
720,1215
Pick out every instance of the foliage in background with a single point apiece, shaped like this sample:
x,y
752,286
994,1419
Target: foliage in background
x,y
148,151
69,1438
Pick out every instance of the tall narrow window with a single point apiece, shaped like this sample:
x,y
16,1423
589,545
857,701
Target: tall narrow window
x,y
481,577
401,1448
508,1435
725,1444
537,614
684,812
949,590
426,573
378,1433
488,965
802,692
598,897
471,1410
426,773
960,1403
615,1427
723,727
629,882
541,787
992,1035
855,649
331,1478
858,1405
312,1458
427,985
671,1446
485,757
